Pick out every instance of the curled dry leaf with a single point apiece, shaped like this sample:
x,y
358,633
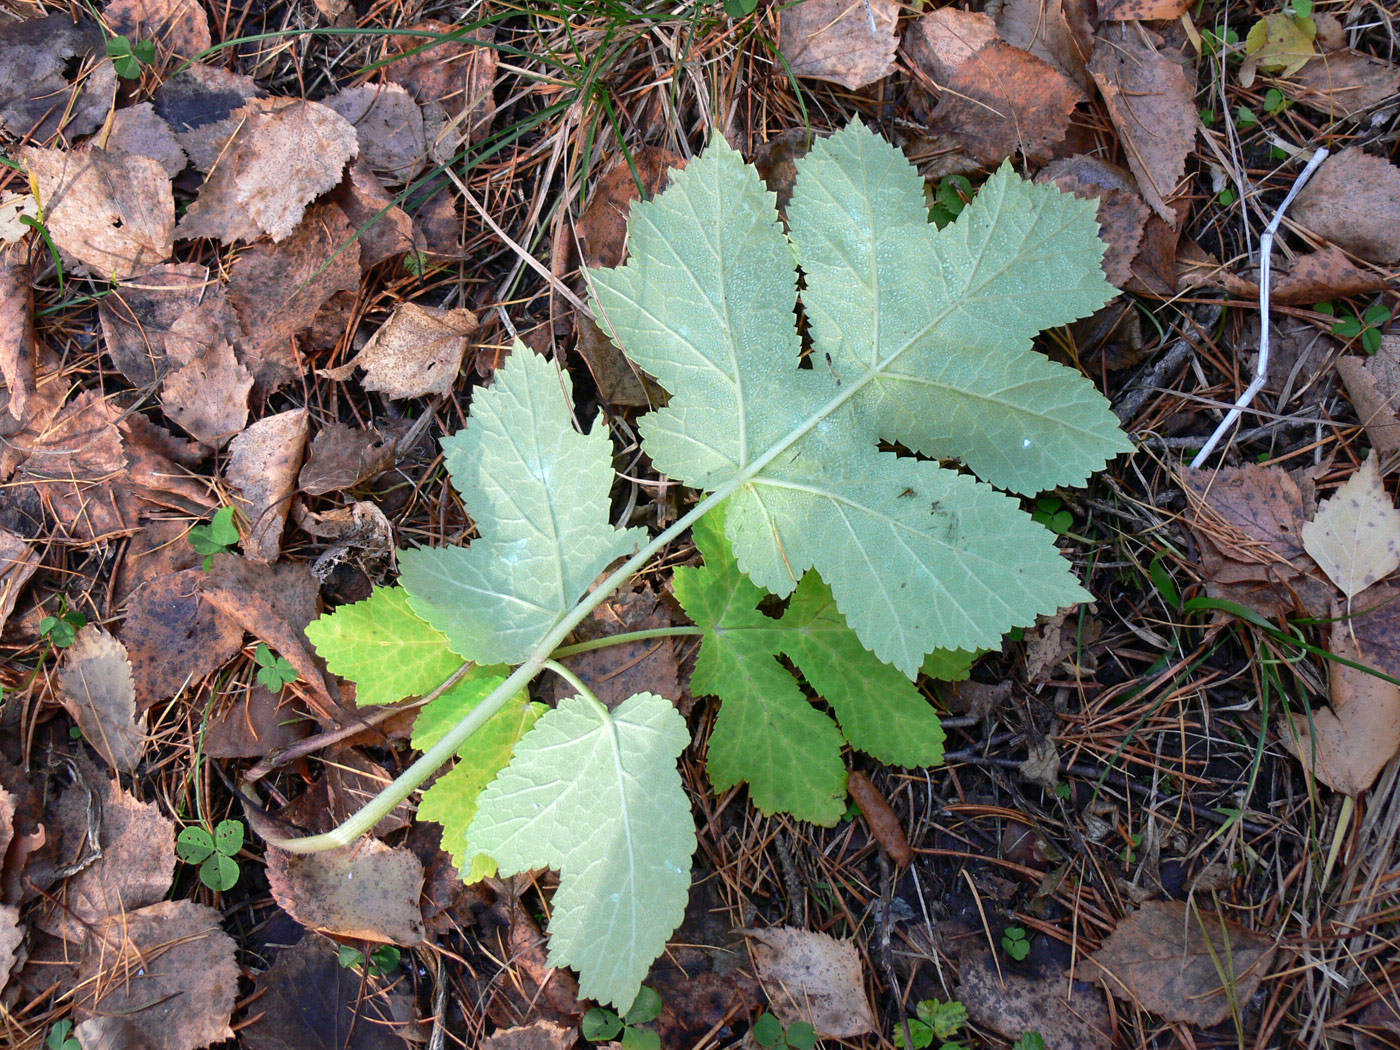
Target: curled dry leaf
x,y
262,471
1060,32
140,130
417,352
382,228
814,978
1314,277
113,212
1373,384
167,972
1152,103
388,126
1353,200
96,689
835,40
880,817
1168,957
367,890
136,318
209,396
179,26
1355,535
1122,213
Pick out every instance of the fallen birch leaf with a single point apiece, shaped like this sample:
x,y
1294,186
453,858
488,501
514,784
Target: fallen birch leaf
x,y
1122,213
208,397
1142,10
1313,278
53,77
1373,384
342,457
382,228
1277,43
366,890
78,467
18,560
1068,1015
140,131
542,1035
113,212
1167,957
1060,32
417,352
453,81
1152,103
180,27
256,725
1353,200
96,689
942,40
17,346
815,978
1344,84
835,40
388,127
11,941
262,471
198,103
137,317
1355,535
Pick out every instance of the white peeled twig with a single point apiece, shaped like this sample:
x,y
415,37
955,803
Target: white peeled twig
x,y
1266,245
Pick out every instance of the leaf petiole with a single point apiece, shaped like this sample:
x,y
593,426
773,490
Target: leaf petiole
x,y
578,683
594,644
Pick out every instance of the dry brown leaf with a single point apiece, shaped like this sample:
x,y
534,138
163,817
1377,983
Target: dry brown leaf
x,y
168,971
1142,10
1348,744
113,212
1003,100
140,131
1122,213
349,782
1373,384
208,397
262,471
277,290
137,317
542,1035
11,941
942,40
1355,535
1314,277
18,560
1248,521
388,126
257,724
1344,84
342,457
50,389
815,978
417,352
835,40
198,103
1068,1015
180,27
619,671
1152,103
95,687
1167,957
283,155
136,865
1061,32
382,228
1353,200
1375,627
78,468
17,346
174,637
438,221
367,891
453,81
53,77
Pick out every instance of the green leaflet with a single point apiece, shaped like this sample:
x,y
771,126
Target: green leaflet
x,y
767,733
596,795
538,491
921,337
381,646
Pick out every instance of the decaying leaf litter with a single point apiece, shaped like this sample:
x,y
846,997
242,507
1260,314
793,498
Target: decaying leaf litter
x,y
1136,773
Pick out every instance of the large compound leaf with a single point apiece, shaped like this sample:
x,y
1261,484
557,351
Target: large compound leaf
x,y
768,734
538,491
921,337
596,795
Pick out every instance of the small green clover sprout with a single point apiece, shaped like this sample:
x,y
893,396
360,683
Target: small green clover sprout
x,y
740,8
769,1033
601,1025
129,56
1245,118
213,853
1014,943
1367,327
935,1020
60,1037
1050,511
62,630
1274,102
215,538
382,961
274,672
1029,1041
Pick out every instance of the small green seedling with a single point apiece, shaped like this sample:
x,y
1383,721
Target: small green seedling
x,y
1228,196
1014,943
934,1019
740,8
128,56
215,854
1129,854
415,264
61,1038
1029,1041
62,630
1303,8
274,672
383,961
1214,41
768,1032
1275,102
1367,327
1245,118
1162,580
1050,511
600,1024
1207,117
953,195
216,537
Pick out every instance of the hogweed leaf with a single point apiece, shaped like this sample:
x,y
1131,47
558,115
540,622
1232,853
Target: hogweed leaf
x,y
382,646
921,337
595,794
767,733
538,491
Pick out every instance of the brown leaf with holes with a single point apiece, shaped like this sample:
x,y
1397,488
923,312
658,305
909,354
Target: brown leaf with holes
x,y
113,212
282,155
366,890
1248,521
208,397
53,75
1142,10
942,40
1353,200
1344,84
1004,100
1122,213
137,318
96,689
139,130
851,44
417,352
17,345
168,972
1060,32
813,977
78,468
1373,384
174,636
262,471
1069,1015
278,289
1167,957
180,27
1152,103
137,861
388,127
